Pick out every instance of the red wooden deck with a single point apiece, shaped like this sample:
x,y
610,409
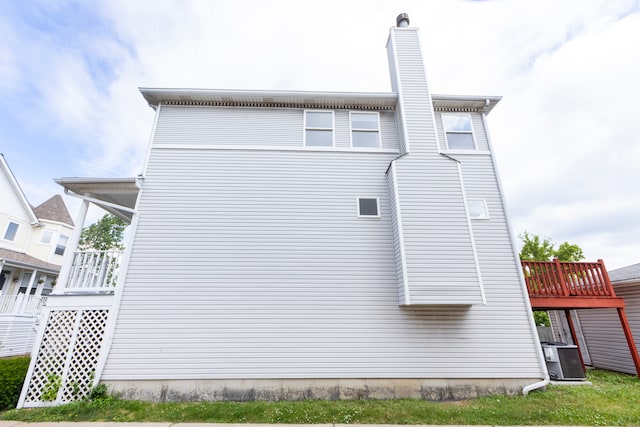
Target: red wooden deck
x,y
555,285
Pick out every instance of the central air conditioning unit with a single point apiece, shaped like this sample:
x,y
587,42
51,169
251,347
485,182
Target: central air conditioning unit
x,y
563,361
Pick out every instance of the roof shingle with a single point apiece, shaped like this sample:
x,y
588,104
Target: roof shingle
x,y
54,209
20,259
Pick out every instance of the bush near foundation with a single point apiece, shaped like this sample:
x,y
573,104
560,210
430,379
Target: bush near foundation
x,y
13,370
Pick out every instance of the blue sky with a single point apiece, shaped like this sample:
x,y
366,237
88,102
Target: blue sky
x,y
564,134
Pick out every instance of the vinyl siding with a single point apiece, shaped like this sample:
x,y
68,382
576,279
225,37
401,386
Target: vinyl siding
x,y
253,127
440,260
253,264
396,220
603,333
17,334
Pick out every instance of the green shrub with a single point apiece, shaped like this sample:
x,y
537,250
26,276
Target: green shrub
x,y
99,392
13,370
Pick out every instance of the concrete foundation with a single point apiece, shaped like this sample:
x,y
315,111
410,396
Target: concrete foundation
x,y
241,390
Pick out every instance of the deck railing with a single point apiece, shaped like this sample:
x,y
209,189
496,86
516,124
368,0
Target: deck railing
x,y
21,304
566,279
93,271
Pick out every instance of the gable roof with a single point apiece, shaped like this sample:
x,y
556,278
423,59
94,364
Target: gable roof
x,y
13,182
625,274
22,260
54,209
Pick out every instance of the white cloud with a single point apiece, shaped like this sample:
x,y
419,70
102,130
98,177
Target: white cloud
x,y
564,134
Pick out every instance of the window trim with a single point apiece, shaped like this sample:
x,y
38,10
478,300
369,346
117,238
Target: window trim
x,y
64,250
378,131
446,133
332,129
377,199
6,230
485,206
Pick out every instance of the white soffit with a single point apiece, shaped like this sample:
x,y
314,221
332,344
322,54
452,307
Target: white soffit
x,y
283,99
454,103
117,191
302,99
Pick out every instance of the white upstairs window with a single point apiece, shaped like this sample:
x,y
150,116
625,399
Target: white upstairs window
x,y
318,128
365,130
458,132
11,231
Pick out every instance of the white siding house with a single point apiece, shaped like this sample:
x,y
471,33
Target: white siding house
x,y
291,245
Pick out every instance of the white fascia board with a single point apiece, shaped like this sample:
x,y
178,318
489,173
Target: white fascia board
x,y
18,191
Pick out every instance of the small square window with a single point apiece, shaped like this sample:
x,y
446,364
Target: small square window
x,y
477,209
318,128
12,230
458,131
46,237
368,207
62,244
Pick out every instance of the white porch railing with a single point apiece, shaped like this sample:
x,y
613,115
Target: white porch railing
x,y
93,271
21,304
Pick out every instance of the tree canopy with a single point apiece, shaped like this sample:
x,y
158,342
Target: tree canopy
x,y
103,235
536,248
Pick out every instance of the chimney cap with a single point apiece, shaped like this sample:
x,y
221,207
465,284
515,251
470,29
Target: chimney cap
x,y
402,20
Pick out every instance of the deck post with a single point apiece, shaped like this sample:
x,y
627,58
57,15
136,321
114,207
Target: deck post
x,y
574,336
630,342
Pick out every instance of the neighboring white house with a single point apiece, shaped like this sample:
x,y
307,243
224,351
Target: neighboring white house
x,y
291,245
599,329
32,244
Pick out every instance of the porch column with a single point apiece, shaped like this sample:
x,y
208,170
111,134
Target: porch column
x,y
25,299
70,251
6,277
34,273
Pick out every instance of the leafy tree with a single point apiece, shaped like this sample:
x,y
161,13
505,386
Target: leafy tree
x,y
541,318
569,253
535,248
103,235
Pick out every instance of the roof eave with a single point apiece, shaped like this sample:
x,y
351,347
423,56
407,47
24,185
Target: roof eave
x,y
268,98
119,195
308,99
479,103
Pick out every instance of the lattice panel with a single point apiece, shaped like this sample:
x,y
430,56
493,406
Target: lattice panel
x,y
84,359
67,357
50,362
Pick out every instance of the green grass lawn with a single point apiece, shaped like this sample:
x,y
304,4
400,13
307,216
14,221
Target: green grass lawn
x,y
614,399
